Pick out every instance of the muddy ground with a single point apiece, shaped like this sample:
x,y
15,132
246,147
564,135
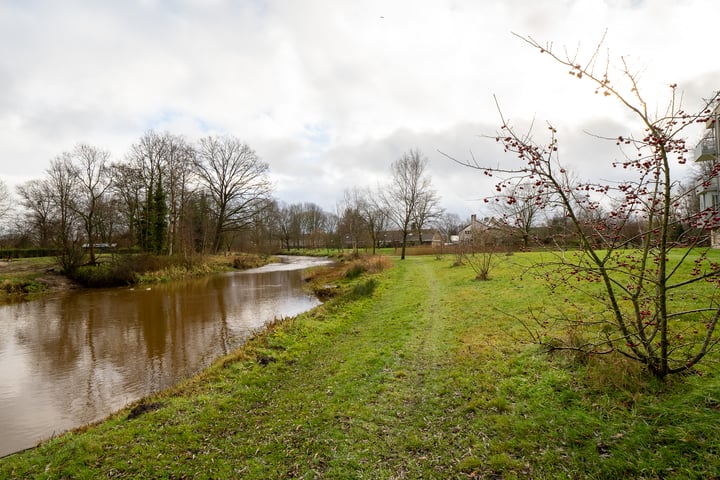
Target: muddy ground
x,y
39,270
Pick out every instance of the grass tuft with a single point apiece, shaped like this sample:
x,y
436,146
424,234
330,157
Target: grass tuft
x,y
364,289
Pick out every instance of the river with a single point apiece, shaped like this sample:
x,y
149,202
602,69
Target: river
x,y
70,360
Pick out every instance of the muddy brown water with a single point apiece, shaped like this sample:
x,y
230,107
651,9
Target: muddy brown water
x,y
73,359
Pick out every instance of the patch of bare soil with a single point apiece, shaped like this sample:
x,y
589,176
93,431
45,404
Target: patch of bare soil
x,y
21,266
57,282
41,271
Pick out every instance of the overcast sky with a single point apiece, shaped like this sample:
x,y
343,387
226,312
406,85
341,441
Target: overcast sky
x,y
330,92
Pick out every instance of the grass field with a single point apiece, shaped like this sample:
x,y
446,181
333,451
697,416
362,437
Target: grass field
x,y
417,372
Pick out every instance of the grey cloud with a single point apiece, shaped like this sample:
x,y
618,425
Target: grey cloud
x,y
422,77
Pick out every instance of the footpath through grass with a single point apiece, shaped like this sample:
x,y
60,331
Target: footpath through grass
x,y
416,375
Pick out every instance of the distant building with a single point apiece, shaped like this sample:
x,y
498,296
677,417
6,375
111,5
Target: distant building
x,y
709,194
480,232
471,231
101,246
393,238
437,240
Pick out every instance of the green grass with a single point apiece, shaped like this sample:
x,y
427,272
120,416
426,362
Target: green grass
x,y
20,278
419,372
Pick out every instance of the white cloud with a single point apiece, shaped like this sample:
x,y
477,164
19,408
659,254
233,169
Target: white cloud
x,y
330,93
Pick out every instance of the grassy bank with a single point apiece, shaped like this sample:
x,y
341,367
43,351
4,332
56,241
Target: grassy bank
x,y
415,373
28,278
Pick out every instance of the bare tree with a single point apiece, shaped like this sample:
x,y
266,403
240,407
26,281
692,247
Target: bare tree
x,y
5,200
352,222
290,225
91,169
480,259
236,180
265,228
178,161
427,210
128,189
146,169
36,198
375,215
518,208
312,225
62,179
196,228
640,316
405,193
285,225
448,224
332,231
109,222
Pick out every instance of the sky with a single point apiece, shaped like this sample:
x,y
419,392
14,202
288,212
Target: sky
x,y
330,92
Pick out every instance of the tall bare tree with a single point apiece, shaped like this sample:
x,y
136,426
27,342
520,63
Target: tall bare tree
x,y
36,197
236,180
128,190
178,162
312,221
409,186
352,221
92,172
427,210
286,225
333,239
5,200
375,215
264,233
146,166
62,182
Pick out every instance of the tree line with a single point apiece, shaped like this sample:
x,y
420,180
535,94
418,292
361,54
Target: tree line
x,y
169,196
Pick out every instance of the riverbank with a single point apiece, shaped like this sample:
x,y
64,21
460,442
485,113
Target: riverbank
x,y
416,372
29,278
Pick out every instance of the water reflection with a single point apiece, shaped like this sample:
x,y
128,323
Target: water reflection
x,y
71,360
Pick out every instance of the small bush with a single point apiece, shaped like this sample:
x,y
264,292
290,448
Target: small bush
x,y
355,271
122,270
367,264
326,292
326,282
243,262
105,275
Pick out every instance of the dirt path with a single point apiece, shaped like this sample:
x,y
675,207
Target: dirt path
x,y
24,266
